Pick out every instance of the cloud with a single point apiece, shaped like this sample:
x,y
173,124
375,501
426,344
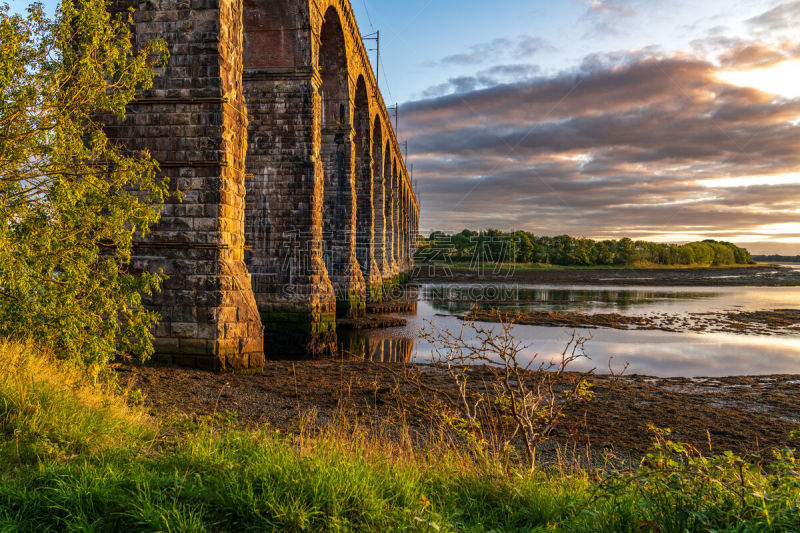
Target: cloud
x,y
756,54
751,55
528,46
605,16
493,76
610,7
786,16
616,147
479,53
520,47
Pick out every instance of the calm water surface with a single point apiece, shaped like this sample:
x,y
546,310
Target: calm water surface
x,y
654,353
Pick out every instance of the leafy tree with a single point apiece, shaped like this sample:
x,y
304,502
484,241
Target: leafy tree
x,y
525,249
741,256
626,252
559,249
580,252
604,253
462,246
70,200
541,250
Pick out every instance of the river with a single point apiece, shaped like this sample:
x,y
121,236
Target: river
x,y
646,352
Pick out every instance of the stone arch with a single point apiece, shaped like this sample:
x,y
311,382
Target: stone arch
x,y
334,72
396,214
284,180
408,226
409,237
378,198
402,232
388,213
284,75
336,156
362,151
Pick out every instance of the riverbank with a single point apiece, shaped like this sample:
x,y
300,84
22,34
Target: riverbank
x,y
743,414
76,454
750,275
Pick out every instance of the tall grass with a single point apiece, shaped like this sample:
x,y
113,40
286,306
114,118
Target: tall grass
x,y
51,409
76,457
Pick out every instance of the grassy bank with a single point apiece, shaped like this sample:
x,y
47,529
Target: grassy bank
x,y
76,456
489,267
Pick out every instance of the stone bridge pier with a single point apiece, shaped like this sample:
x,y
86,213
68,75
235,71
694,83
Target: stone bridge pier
x,y
328,195
296,204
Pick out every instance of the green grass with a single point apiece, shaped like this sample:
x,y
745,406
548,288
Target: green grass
x,y
53,410
76,457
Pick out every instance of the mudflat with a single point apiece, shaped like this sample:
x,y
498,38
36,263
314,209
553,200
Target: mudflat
x,y
766,322
744,414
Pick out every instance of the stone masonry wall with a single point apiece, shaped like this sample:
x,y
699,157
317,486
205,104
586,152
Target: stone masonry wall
x,y
284,212
193,122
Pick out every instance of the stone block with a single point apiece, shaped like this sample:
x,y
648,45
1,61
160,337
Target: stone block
x,y
194,346
184,329
167,346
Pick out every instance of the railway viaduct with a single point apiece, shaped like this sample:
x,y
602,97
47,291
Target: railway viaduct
x,y
296,203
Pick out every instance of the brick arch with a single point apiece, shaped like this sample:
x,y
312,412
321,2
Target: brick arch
x,y
358,61
277,34
371,271
333,66
396,213
362,140
401,234
258,161
388,194
320,238
359,67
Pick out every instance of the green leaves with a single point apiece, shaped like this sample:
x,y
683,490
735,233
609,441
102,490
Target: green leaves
x,y
675,488
494,248
70,200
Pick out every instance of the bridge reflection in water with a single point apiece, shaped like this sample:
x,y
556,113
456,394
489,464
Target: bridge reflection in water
x,y
376,346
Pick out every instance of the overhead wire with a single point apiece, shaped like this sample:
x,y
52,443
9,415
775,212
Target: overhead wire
x,y
380,59
369,19
386,81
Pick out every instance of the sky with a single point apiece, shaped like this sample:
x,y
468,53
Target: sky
x,y
668,121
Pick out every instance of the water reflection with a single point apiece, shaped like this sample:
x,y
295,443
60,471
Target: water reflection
x,y
378,346
655,353
460,298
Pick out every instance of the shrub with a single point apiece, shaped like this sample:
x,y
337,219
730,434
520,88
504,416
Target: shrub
x,y
70,200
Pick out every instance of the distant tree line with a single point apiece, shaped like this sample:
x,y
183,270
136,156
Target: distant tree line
x,y
775,258
524,247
